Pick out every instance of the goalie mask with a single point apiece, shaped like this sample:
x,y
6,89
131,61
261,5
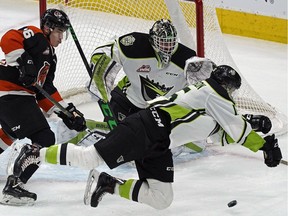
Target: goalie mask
x,y
163,38
227,77
54,18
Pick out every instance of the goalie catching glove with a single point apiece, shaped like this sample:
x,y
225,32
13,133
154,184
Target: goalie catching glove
x,y
259,123
76,121
271,151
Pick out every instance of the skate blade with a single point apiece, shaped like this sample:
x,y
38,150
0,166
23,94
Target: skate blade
x,y
13,201
92,180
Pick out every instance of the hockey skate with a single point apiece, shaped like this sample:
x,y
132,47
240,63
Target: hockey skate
x,y
105,184
14,193
29,155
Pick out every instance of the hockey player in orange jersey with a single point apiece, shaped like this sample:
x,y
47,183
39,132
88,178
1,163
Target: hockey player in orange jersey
x,y
30,60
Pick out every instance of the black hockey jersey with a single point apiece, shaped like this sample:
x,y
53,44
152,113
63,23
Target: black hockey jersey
x,y
32,40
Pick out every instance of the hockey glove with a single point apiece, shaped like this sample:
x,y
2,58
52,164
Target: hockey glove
x,y
259,123
76,122
28,71
271,151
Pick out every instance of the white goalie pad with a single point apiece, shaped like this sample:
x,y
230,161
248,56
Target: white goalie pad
x,y
104,79
198,69
91,181
62,133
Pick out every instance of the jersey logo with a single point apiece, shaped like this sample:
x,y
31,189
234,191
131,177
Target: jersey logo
x,y
172,74
120,159
151,89
144,68
170,169
199,85
127,40
43,73
156,117
121,116
16,128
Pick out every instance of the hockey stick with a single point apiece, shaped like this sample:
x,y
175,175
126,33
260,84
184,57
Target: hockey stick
x,y
284,162
104,106
56,103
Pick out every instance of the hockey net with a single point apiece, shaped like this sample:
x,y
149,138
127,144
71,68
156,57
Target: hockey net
x,y
97,21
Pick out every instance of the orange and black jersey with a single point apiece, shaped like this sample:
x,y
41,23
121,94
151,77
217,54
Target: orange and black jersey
x,y
28,39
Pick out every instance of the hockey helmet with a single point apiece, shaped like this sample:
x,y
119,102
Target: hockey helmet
x,y
227,77
163,38
55,18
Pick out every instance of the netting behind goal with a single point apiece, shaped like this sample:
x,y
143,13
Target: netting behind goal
x,y
97,21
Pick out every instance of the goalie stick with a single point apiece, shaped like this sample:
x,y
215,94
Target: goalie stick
x,y
104,106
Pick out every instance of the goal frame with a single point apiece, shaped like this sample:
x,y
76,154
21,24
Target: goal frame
x,y
199,23
204,36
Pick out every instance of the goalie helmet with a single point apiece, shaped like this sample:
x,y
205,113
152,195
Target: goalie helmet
x,y
163,38
227,77
53,18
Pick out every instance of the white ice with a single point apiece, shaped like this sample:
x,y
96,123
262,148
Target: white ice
x,y
205,183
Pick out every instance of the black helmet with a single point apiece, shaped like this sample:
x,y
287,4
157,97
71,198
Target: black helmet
x,y
227,77
163,38
55,18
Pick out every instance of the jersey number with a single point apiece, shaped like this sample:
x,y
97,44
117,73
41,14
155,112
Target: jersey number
x,y
27,33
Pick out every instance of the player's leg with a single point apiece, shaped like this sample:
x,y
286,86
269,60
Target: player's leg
x,y
117,148
5,140
23,117
120,105
154,191
154,166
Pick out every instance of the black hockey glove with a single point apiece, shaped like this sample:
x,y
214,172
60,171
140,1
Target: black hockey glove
x,y
271,151
259,123
76,122
28,71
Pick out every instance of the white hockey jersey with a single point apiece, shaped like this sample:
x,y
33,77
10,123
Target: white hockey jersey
x,y
144,79
200,110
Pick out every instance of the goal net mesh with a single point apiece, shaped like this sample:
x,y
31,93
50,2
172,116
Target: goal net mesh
x,y
97,21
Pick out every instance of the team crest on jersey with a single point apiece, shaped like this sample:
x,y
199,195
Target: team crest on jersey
x,y
43,73
144,68
127,40
151,89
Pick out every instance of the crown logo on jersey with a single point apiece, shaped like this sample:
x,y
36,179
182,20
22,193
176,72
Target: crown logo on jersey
x,y
127,40
151,89
144,68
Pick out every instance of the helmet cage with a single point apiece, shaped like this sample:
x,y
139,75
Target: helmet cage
x,y
163,38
